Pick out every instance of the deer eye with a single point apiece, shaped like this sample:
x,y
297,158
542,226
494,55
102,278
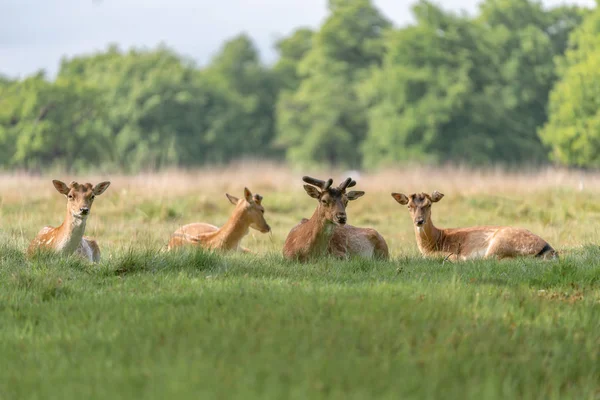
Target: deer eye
x,y
262,211
70,196
92,197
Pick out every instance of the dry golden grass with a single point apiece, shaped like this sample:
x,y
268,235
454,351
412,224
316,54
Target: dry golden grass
x,y
141,211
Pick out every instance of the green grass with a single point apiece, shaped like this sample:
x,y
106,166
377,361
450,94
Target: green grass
x,y
148,324
199,325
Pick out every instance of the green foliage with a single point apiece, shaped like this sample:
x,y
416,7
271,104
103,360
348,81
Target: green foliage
x,y
423,86
140,109
573,130
45,122
456,88
246,126
291,51
169,112
322,120
356,92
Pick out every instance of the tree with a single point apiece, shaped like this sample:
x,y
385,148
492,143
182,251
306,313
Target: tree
x,y
526,40
322,120
246,125
48,123
135,85
419,101
291,51
455,88
573,129
354,92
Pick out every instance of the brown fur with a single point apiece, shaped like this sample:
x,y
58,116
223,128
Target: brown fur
x,y
326,231
352,241
248,213
309,238
68,237
469,243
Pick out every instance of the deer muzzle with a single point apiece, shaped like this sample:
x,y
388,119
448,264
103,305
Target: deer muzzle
x,y
341,218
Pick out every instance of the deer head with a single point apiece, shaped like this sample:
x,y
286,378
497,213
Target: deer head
x,y
419,205
252,209
80,197
332,200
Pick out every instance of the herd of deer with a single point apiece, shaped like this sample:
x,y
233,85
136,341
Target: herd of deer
x,y
325,233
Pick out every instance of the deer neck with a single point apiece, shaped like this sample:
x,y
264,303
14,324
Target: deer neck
x,y
429,238
69,235
321,232
233,231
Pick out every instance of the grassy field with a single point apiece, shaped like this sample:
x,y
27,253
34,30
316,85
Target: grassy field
x,y
145,323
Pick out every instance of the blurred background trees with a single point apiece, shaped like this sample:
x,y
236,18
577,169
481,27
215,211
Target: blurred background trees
x,y
573,127
515,84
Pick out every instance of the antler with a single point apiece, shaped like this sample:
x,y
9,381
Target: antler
x,y
257,198
346,184
318,183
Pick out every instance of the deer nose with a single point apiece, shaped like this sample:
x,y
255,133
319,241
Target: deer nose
x,y
84,210
341,217
420,221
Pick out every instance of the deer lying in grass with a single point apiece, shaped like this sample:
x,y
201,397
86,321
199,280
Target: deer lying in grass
x,y
326,231
248,213
68,238
469,243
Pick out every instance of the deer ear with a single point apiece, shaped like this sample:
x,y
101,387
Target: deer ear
x,y
100,188
436,196
312,191
353,195
248,195
232,199
400,198
61,187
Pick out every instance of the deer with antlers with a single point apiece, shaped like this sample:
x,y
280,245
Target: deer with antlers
x,y
248,213
326,232
469,243
68,238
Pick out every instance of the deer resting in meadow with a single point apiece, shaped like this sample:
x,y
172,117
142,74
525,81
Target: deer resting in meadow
x,y
248,213
326,232
68,238
469,243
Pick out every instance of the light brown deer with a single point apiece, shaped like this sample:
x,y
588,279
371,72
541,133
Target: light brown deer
x,y
326,231
68,238
469,243
248,213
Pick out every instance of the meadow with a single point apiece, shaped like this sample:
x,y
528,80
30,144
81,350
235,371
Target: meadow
x,y
195,324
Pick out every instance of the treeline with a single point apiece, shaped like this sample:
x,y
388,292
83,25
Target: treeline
x,y
516,83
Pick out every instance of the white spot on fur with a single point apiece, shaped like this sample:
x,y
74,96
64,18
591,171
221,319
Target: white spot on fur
x,y
478,253
367,252
360,246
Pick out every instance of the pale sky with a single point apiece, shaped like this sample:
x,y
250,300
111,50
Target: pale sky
x,y
35,34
